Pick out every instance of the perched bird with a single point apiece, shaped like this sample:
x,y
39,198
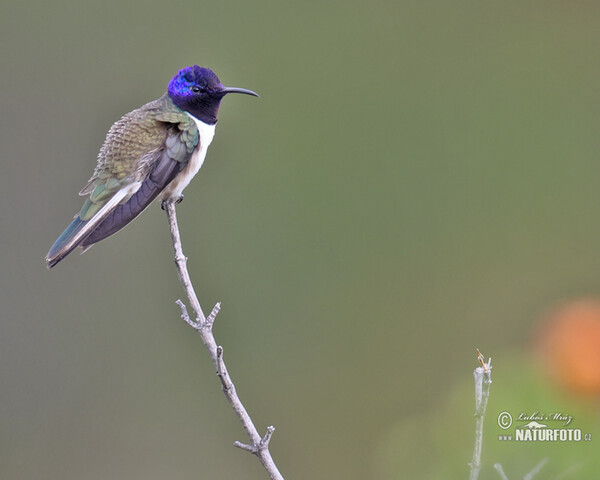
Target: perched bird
x,y
151,152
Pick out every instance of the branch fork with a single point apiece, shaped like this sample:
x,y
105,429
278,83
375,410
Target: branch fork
x,y
198,324
262,445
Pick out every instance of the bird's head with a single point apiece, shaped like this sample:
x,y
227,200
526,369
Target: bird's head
x,y
198,91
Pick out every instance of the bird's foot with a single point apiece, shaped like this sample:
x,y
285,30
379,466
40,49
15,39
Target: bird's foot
x,y
163,204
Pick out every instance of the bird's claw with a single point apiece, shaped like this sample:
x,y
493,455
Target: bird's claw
x,y
163,204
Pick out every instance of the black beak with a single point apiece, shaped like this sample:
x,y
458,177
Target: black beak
x,y
239,90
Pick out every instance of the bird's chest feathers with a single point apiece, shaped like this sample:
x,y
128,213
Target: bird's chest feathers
x,y
182,180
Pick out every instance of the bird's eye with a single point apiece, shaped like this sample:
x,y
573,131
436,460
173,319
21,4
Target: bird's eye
x,y
196,89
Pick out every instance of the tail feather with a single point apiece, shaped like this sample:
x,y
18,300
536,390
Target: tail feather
x,y
79,230
64,244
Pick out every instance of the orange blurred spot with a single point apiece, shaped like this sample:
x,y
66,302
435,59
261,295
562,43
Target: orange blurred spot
x,y
570,344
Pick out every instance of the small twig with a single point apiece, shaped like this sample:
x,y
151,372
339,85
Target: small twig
x,y
569,471
483,380
213,314
536,469
185,315
498,468
203,325
529,476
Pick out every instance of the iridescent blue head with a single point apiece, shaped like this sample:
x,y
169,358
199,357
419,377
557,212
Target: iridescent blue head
x,y
198,91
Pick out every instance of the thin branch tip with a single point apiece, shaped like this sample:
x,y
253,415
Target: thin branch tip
x,y
186,316
210,320
264,442
184,312
498,468
244,446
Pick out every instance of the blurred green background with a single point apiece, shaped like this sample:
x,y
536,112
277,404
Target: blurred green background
x,y
417,179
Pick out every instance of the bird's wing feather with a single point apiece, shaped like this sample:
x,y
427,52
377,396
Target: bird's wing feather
x,y
133,147
165,170
142,153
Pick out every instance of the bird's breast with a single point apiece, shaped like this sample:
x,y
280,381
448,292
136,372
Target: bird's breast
x,y
174,190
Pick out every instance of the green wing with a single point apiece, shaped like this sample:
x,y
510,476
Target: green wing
x,y
141,155
132,148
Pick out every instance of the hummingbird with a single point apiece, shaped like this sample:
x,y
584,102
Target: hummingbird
x,y
153,151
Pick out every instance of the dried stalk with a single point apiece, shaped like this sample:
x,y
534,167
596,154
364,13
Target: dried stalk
x,y
483,381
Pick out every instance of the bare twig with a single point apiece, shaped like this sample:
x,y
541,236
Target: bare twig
x,y
529,476
500,471
483,380
536,469
259,446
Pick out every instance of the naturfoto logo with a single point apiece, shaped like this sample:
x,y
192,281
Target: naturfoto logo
x,y
539,428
